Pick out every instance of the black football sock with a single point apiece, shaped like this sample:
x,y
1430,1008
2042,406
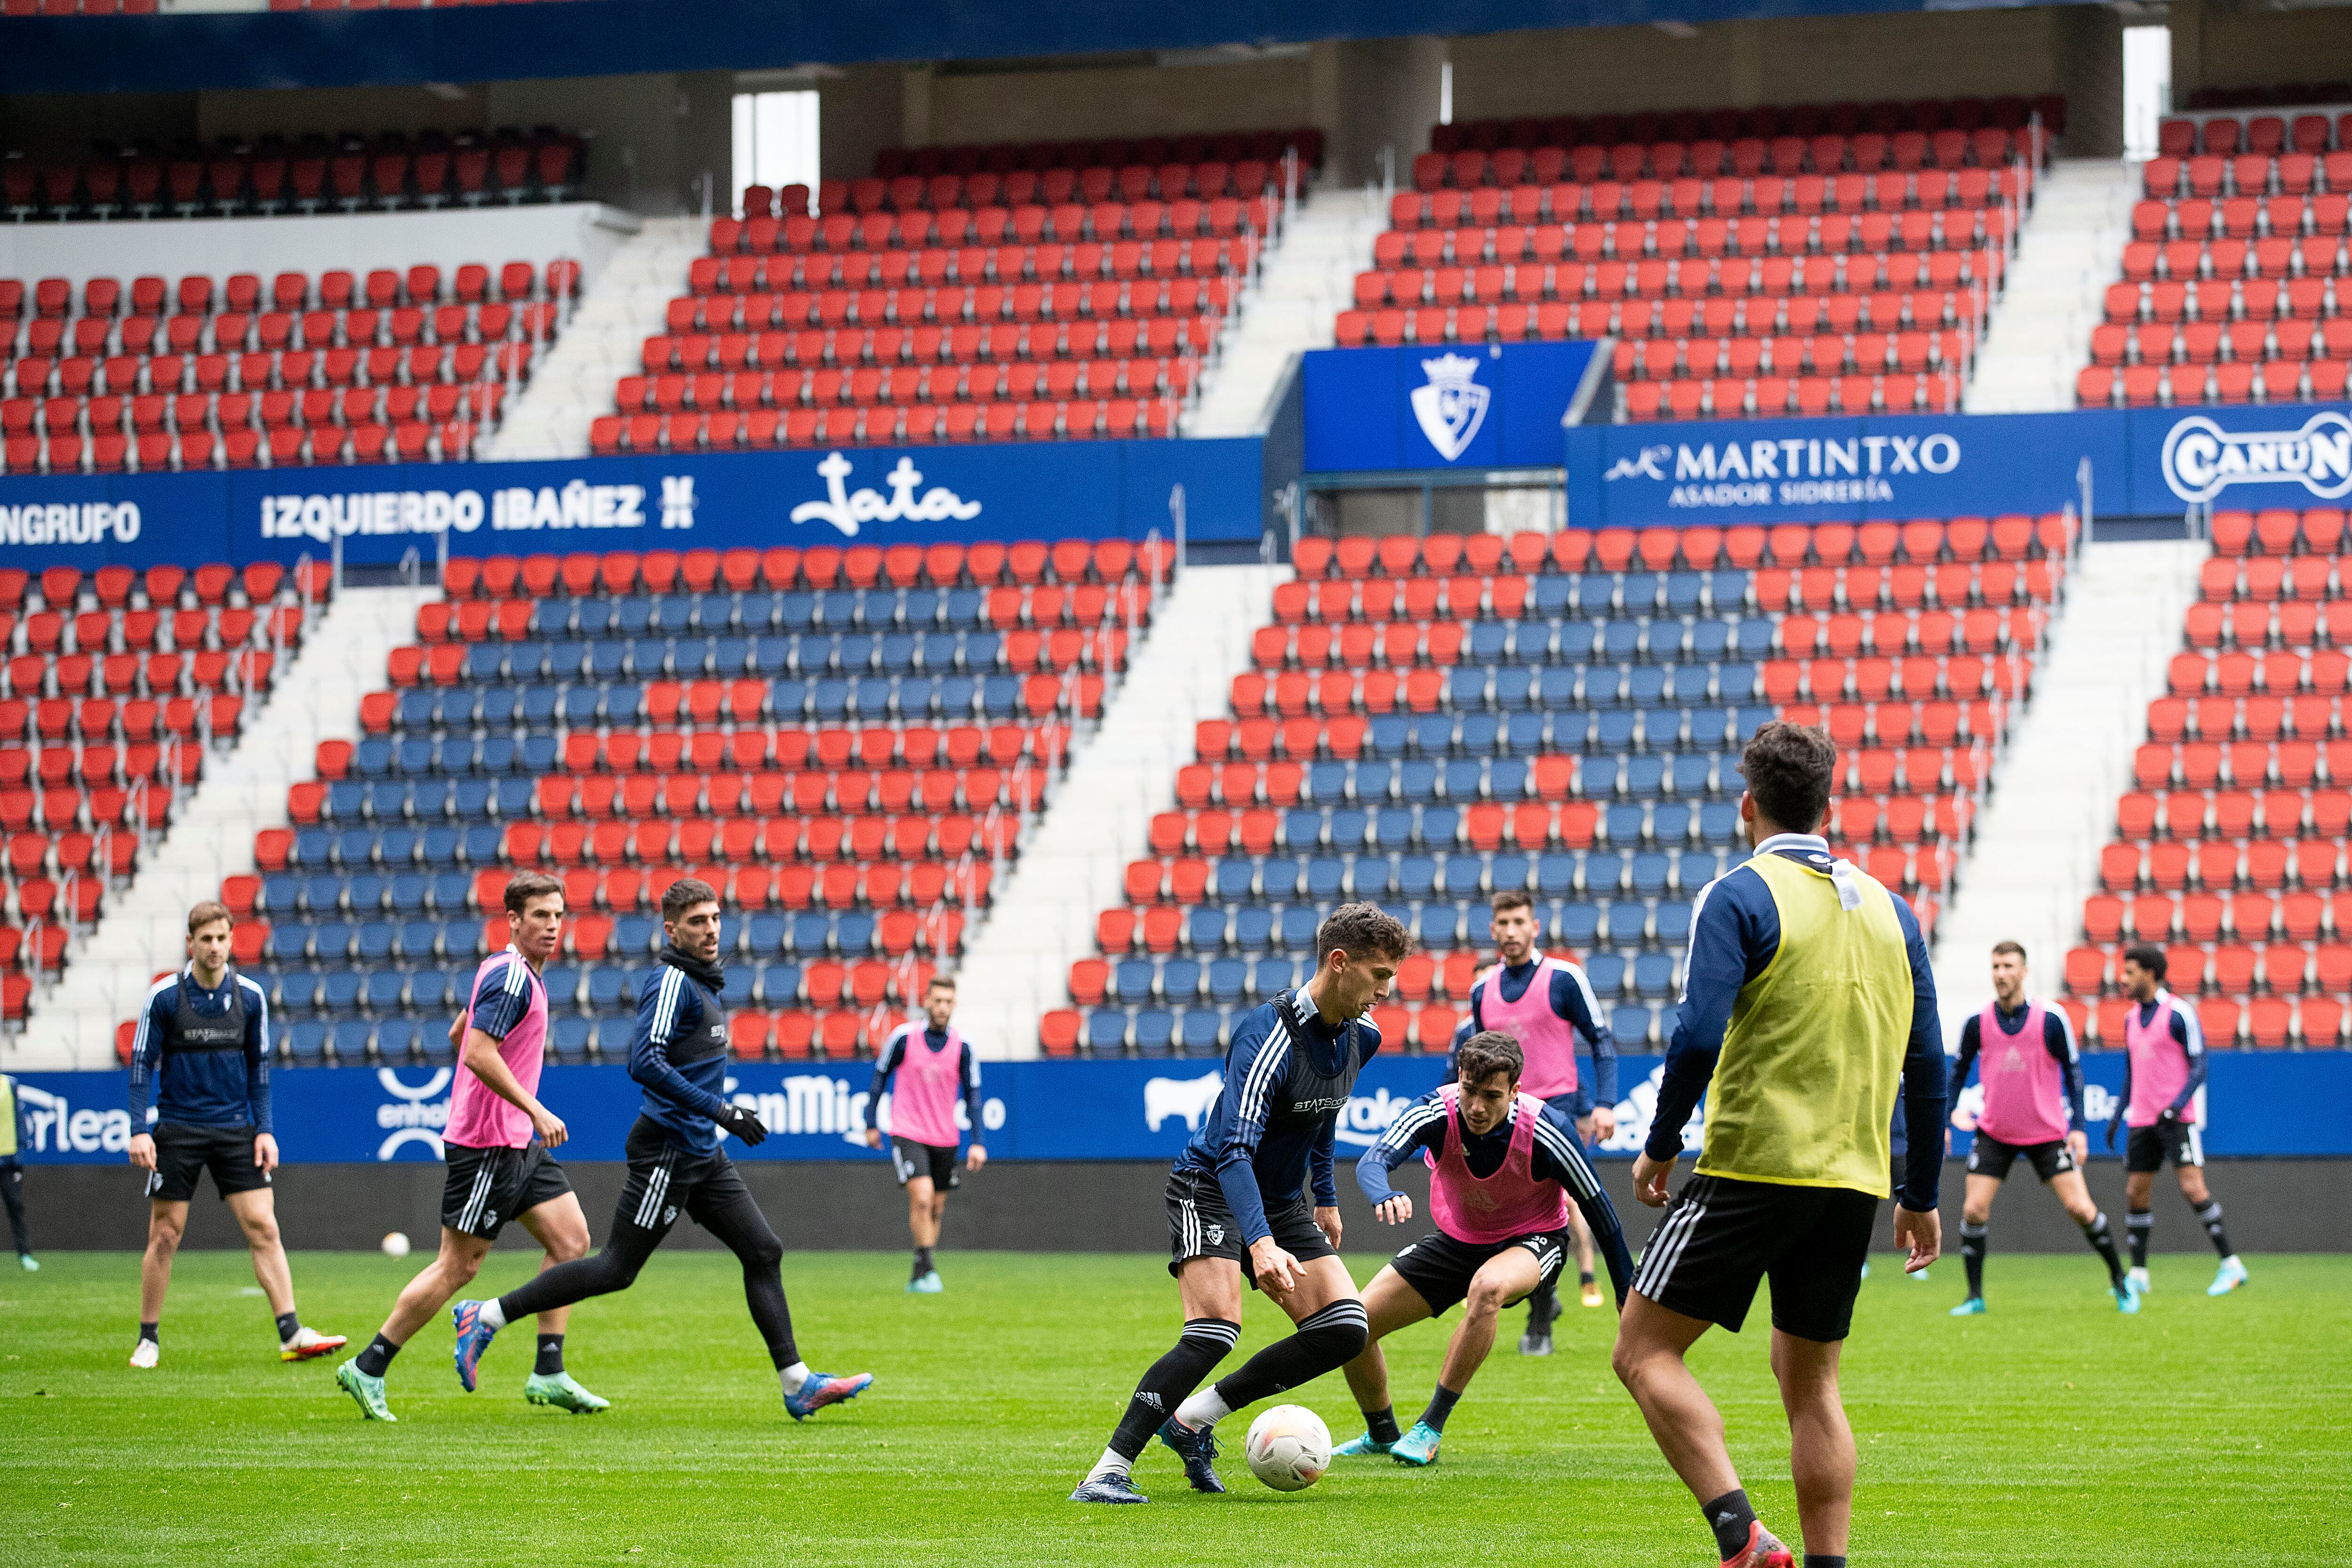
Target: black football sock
x,y
922,1261
2210,1216
1583,1277
1732,1520
551,1356
288,1325
1382,1424
1441,1406
1325,1341
1823,1560
2137,1224
1543,1305
12,1193
2101,1238
150,1331
1204,1342
377,1356
1972,1254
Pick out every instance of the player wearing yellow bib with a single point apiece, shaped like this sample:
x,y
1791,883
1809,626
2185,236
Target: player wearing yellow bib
x,y
1807,999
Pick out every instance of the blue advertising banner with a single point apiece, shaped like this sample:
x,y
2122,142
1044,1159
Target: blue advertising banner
x,y
2259,1103
885,495
1497,405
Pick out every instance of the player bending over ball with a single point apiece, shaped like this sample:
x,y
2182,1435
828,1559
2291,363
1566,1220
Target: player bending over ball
x,y
1238,1195
499,1147
679,1057
1505,1172
931,1065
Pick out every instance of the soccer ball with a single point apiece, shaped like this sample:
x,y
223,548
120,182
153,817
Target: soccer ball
x,y
1288,1448
397,1244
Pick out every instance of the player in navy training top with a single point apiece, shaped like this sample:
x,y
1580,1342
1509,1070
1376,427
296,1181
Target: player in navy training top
x,y
201,1054
1239,1196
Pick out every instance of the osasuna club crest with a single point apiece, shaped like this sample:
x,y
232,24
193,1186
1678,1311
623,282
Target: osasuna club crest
x,y
1453,406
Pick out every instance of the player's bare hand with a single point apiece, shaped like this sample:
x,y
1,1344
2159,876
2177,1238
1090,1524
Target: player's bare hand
x,y
2077,1145
1604,1123
873,1137
1921,1234
458,1030
975,1157
1395,1211
1276,1271
142,1151
1650,1179
548,1126
265,1152
1327,1220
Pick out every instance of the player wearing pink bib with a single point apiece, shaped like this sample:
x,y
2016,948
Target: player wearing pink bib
x,y
1505,1171
497,1144
2164,1105
2033,1081
933,1067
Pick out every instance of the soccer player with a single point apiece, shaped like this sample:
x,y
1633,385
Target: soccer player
x,y
1547,1020
2164,1105
201,1054
12,1173
2034,1108
931,1065
497,1145
1807,995
678,1056
1506,1170
1239,1191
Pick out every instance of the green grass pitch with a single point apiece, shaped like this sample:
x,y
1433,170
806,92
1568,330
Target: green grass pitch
x,y
2051,1431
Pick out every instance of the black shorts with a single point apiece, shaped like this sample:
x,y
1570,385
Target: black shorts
x,y
487,1187
667,1180
1440,1268
912,1159
1990,1156
183,1153
2149,1147
1721,1236
1200,1226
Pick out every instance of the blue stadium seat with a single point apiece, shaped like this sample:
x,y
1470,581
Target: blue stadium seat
x,y
306,1042
1201,1032
1631,1027
1155,1030
1106,1031
353,1039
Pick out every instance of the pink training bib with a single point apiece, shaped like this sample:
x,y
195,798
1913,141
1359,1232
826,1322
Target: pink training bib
x,y
2159,1066
2024,1089
478,1118
1547,1039
1511,1202
926,1088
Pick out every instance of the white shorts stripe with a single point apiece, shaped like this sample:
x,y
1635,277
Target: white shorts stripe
x,y
1665,1247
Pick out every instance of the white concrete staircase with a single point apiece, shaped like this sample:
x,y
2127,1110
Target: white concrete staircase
x,y
2070,249
2035,857
1307,282
604,342
243,792
1074,859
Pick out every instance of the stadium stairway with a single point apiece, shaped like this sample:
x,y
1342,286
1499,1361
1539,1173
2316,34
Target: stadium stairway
x,y
141,932
2068,252
1306,281
622,306
1099,817
2035,854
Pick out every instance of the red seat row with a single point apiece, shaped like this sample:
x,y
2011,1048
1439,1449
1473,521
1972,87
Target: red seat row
x,y
2155,386
1022,562
2263,135
1884,118
2205,343
287,447
1731,200
1069,223
2315,255
141,186
1708,158
1005,159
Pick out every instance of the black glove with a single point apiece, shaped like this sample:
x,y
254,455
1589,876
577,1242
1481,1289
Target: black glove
x,y
744,1125
2110,1131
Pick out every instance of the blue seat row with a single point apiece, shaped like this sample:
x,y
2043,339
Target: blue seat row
x,y
1623,824
573,1040
542,707
808,934
1235,878
1203,1030
428,988
1252,929
839,609
728,658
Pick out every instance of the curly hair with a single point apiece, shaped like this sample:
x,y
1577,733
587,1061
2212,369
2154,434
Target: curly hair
x,y
1790,768
1484,1054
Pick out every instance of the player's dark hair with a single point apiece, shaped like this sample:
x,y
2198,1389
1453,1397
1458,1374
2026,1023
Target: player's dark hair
x,y
1362,931
946,981
684,894
526,886
2148,956
2016,947
204,913
1484,1054
1790,768
1514,898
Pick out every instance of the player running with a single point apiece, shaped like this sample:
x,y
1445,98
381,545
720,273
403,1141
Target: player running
x,y
1547,1020
2033,1107
1238,1191
1506,1170
2164,1105
12,1173
678,1056
932,1065
202,1052
497,1145
1807,995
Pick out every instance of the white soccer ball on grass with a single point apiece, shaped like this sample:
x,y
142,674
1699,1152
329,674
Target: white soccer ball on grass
x,y
1288,1448
397,1244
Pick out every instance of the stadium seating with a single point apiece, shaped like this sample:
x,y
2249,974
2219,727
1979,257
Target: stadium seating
x,y
1744,266
2280,95
115,688
2234,272
349,173
234,372
1029,304
2231,852
846,743
1432,720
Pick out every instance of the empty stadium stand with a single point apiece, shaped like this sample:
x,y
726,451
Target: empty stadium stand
x,y
1432,720
846,743
2234,276
2231,853
1762,262
234,372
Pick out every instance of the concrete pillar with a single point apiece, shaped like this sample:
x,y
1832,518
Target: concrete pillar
x,y
859,112
1374,93
2187,20
2088,44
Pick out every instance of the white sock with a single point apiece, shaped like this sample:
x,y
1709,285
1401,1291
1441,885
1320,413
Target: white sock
x,y
491,1316
1112,1463
793,1376
1204,1410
